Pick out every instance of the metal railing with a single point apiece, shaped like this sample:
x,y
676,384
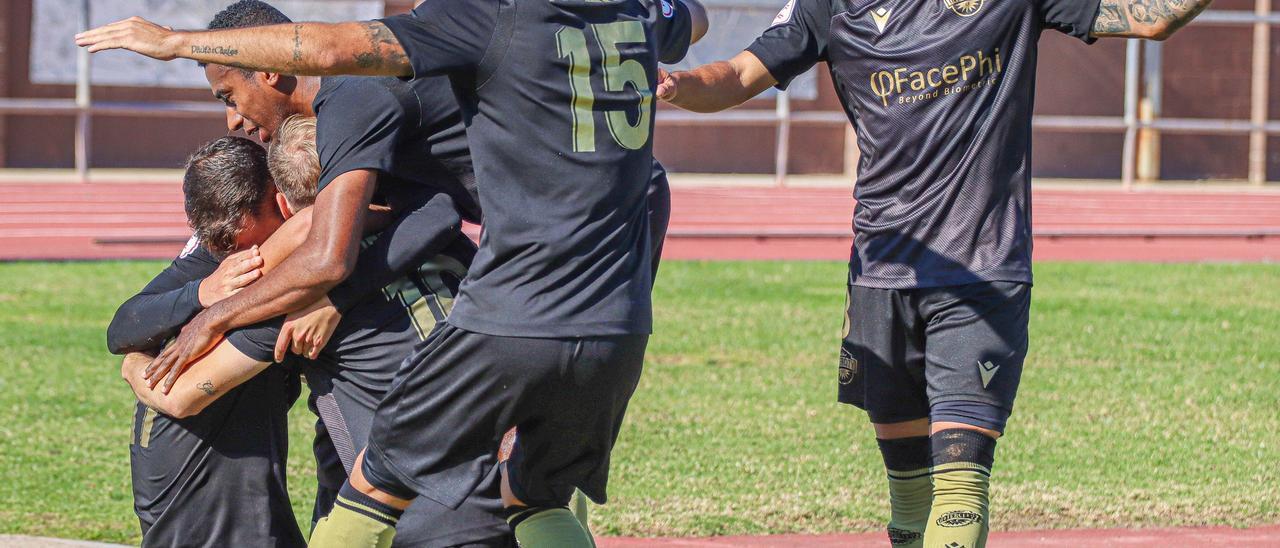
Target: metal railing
x,y
1135,120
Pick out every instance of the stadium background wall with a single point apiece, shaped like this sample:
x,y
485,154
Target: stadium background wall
x,y
1206,74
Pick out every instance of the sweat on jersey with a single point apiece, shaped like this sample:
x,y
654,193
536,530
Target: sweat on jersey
x,y
560,125
940,93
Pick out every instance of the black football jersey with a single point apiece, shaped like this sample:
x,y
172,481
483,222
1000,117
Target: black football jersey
x,y
558,98
940,93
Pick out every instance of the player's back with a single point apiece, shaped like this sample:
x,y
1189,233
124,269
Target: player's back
x,y
560,108
218,478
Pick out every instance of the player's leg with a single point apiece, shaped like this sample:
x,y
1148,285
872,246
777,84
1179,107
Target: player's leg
x,y
881,371
977,341
572,419
580,506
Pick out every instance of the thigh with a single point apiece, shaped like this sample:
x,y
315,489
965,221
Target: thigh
x,y
977,342
571,420
438,430
882,356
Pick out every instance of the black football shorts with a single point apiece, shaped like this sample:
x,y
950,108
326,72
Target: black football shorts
x,y
947,353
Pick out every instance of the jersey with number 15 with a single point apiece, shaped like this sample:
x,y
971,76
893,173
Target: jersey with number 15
x,y
558,100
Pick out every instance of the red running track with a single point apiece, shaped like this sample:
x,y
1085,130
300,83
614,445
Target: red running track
x,y
1257,537
145,220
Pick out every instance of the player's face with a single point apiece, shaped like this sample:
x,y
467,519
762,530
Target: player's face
x,y
261,225
255,103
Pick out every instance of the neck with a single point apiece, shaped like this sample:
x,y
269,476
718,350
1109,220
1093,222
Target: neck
x,y
304,95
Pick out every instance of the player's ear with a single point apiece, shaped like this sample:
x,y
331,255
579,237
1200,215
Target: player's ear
x,y
283,204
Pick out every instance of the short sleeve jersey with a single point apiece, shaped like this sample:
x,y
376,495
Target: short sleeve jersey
x,y
410,132
559,106
940,93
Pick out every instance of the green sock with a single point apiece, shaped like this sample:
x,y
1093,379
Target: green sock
x,y
961,482
910,489
550,527
581,510
960,509
354,525
910,498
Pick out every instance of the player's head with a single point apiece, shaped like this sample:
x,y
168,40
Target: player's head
x,y
258,102
229,196
294,163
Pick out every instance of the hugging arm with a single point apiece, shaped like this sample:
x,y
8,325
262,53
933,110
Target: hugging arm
x,y
206,380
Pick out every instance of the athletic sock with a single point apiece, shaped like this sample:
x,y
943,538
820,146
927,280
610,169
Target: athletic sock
x,y
553,527
581,509
962,462
910,489
356,521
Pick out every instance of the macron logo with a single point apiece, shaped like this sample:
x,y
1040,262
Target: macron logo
x,y
881,18
988,372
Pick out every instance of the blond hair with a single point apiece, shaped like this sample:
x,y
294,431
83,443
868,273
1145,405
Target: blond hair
x,y
294,162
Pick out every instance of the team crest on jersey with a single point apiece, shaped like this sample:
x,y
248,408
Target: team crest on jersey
x,y
785,14
191,246
964,8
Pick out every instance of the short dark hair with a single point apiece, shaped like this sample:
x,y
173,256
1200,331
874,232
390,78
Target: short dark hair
x,y
226,182
247,13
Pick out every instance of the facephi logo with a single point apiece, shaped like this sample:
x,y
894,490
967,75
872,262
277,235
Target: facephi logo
x,y
667,9
903,85
964,8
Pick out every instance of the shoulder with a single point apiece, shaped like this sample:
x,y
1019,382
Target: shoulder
x,y
365,91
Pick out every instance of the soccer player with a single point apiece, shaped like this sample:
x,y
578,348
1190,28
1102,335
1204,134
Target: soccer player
x,y
940,93
355,369
550,325
216,478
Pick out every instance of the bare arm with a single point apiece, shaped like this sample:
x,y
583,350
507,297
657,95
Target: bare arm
x,y
362,48
716,86
324,259
1152,19
205,381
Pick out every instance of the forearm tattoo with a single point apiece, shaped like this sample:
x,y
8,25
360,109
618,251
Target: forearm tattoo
x,y
383,47
1119,16
1111,18
207,388
224,51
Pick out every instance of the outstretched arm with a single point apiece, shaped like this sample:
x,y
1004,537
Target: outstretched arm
x,y
716,86
363,48
1152,19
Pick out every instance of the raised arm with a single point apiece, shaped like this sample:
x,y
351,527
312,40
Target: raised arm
x,y
1151,19
716,86
362,48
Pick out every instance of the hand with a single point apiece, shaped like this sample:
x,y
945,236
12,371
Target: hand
x,y
197,338
236,272
133,365
666,85
134,34
307,331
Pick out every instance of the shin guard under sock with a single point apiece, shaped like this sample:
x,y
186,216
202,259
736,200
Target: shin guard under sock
x,y
549,527
910,489
962,462
356,521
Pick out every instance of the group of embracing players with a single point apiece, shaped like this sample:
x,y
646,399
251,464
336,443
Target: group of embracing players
x,y
466,394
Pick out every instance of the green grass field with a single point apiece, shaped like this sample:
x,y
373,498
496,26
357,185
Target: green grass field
x,y
1151,397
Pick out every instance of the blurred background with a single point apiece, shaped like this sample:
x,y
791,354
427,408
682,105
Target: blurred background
x,y
1195,108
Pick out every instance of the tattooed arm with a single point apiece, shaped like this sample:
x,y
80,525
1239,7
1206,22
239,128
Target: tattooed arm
x,y
208,379
1153,19
362,48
